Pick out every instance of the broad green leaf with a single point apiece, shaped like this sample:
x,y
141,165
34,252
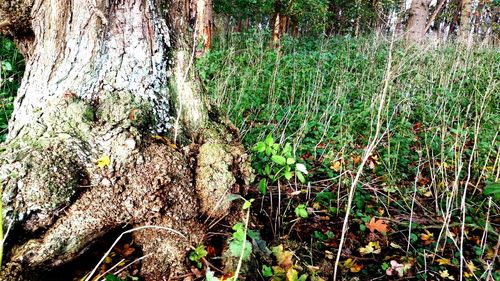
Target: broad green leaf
x,y
260,147
269,140
290,161
301,211
287,150
278,159
288,175
300,176
263,186
492,189
267,169
235,248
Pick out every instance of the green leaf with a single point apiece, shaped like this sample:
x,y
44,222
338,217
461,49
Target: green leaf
x,y
287,150
236,246
492,189
7,66
112,277
263,186
276,147
303,277
231,197
288,175
267,169
260,147
301,211
254,234
300,176
278,159
246,205
290,161
267,271
269,140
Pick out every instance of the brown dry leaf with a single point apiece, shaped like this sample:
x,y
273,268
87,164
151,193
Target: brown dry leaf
x,y
284,258
127,251
356,159
378,225
427,237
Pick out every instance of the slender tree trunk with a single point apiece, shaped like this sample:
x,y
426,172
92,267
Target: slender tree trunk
x,y
419,12
436,12
101,78
204,25
465,25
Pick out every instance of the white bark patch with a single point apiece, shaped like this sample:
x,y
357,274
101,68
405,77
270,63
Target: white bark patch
x,y
190,107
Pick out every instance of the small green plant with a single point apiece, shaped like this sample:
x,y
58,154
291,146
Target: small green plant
x,y
273,162
301,211
267,271
197,255
238,241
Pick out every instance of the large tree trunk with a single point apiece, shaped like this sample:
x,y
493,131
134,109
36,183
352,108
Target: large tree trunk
x,y
102,77
419,12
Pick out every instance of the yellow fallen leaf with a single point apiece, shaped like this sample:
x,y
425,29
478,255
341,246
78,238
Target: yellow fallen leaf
x,y
444,261
371,248
446,274
336,166
108,260
103,161
471,266
352,265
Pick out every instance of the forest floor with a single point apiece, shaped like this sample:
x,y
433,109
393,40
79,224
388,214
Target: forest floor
x,y
387,152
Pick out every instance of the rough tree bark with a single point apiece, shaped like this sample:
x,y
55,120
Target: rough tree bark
x,y
417,21
465,26
102,77
203,26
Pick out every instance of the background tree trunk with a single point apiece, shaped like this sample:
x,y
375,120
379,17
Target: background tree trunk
x,y
465,26
103,77
204,25
419,12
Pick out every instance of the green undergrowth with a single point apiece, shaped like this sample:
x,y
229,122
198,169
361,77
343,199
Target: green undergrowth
x,y
11,71
437,151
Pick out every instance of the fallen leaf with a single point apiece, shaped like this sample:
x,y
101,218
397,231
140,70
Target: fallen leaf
x,y
427,237
284,258
378,225
352,265
336,166
444,261
371,248
446,274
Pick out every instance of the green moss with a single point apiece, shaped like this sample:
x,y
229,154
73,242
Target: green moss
x,y
126,109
